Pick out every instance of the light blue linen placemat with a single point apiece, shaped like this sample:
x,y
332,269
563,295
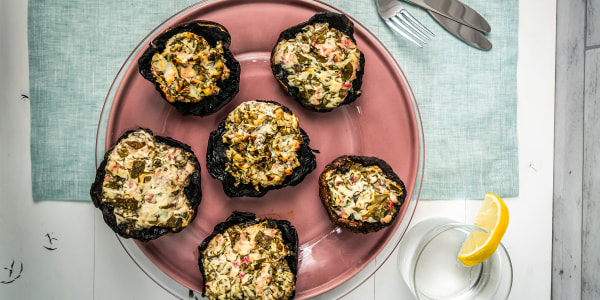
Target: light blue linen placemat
x,y
467,97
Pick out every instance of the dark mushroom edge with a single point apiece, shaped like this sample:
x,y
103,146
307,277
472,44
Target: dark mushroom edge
x,y
334,20
216,160
192,191
212,32
342,165
288,232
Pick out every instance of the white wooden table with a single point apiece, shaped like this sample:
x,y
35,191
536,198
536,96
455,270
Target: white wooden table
x,y
576,237
67,252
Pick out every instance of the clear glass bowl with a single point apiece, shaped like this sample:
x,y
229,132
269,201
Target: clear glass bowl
x,y
427,259
383,122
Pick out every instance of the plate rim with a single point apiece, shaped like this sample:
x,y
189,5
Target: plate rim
x,y
179,290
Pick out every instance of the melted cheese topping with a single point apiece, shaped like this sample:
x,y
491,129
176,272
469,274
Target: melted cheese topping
x,y
263,140
248,262
321,62
188,69
144,182
363,194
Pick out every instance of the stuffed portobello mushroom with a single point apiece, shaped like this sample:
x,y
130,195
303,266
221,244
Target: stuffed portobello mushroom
x,y
361,193
259,147
192,67
249,258
147,186
319,63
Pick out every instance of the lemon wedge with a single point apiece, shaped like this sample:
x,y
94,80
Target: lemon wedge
x,y
480,245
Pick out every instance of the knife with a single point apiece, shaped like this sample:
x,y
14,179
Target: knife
x,y
455,10
465,33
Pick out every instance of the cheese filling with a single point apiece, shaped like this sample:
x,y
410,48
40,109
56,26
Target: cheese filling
x,y
144,182
263,140
363,193
188,69
322,63
248,262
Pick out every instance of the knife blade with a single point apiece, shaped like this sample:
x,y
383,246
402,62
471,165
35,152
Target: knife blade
x,y
467,34
456,11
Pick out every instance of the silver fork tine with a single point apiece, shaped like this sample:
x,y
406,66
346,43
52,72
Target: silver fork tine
x,y
399,31
421,27
402,22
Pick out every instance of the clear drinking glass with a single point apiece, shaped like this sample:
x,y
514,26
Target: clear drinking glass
x,y
429,265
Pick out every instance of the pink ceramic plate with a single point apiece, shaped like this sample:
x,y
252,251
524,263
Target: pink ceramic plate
x,y
383,122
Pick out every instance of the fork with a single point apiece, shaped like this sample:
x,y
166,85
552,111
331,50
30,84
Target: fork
x,y
402,22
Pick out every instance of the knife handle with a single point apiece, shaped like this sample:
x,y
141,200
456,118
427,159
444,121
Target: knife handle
x,y
455,10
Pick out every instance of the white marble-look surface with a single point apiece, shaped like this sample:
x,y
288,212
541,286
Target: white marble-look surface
x,y
88,262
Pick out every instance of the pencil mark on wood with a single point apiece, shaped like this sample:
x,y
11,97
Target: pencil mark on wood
x,y
532,167
13,273
50,245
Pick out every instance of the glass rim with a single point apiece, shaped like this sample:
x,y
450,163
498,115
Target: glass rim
x,y
467,229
